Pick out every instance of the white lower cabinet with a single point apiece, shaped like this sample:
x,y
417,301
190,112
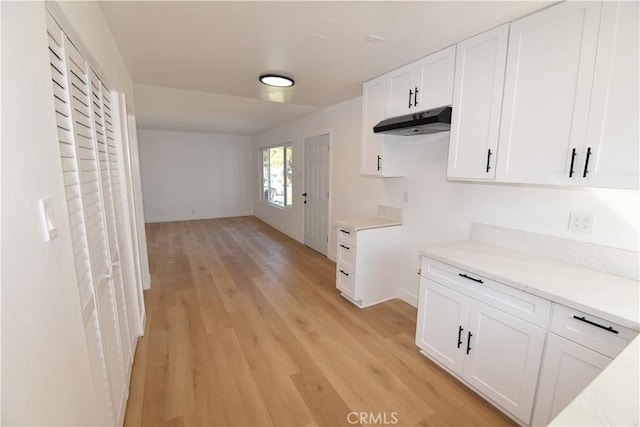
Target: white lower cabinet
x,y
568,369
494,352
579,347
512,347
442,312
367,264
503,358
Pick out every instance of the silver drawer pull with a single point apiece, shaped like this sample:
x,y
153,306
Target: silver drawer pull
x,y
344,272
346,247
597,325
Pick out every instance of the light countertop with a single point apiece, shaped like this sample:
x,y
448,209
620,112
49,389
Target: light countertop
x,y
609,297
366,223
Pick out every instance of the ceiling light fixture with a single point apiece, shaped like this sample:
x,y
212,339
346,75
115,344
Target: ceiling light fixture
x,y
276,80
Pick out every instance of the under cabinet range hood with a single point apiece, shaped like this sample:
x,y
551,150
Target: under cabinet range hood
x,y
430,121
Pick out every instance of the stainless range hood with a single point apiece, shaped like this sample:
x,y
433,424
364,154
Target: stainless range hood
x,y
430,121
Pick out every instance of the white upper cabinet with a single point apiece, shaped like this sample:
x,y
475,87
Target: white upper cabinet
x,y
549,76
401,88
477,102
421,85
382,155
613,132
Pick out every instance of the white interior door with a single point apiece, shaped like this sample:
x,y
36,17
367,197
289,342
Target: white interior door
x,y
316,192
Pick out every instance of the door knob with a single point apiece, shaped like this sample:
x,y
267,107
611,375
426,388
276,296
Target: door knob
x,y
304,194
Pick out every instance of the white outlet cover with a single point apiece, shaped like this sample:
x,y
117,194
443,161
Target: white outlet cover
x,y
581,222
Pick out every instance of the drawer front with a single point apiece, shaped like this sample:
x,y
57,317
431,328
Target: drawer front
x,y
588,331
346,281
520,304
348,236
346,255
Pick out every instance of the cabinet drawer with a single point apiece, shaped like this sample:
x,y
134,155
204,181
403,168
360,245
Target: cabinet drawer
x,y
347,236
346,255
588,330
346,281
510,300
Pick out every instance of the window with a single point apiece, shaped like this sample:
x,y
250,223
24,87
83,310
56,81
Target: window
x,y
276,175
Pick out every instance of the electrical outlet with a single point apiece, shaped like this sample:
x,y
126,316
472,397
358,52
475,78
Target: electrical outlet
x,y
581,222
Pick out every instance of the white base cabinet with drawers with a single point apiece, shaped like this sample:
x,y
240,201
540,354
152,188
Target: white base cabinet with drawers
x,y
367,264
512,347
481,331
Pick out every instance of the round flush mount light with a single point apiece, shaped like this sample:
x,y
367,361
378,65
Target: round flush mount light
x,y
276,80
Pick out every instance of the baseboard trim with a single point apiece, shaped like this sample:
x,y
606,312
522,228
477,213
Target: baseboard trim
x,y
266,221
408,297
178,218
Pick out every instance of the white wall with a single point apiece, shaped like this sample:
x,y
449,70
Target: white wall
x,y
46,376
438,210
187,175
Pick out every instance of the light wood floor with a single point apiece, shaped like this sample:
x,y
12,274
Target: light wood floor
x,y
245,328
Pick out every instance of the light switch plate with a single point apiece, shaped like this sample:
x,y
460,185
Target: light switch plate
x,y
47,219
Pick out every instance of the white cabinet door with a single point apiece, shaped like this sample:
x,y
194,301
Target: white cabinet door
x,y
435,80
503,359
401,85
421,85
613,132
381,155
373,101
568,368
443,315
477,102
550,64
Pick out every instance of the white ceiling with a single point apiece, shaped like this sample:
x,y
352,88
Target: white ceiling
x,y
222,47
188,110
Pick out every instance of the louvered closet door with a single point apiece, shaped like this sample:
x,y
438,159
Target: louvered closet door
x,y
69,154
98,113
121,210
92,200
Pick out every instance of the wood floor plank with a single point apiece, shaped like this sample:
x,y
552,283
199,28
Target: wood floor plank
x,y
245,328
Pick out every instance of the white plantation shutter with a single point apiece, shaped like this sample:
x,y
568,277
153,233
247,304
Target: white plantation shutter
x,y
70,154
125,260
92,195
97,204
95,223
102,119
